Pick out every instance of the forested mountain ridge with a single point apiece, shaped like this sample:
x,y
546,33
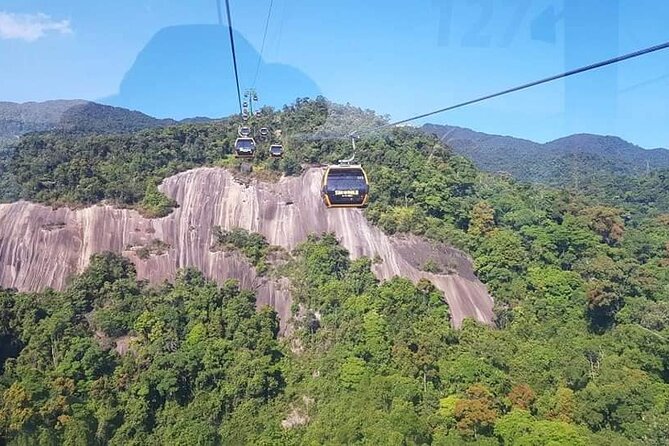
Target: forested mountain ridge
x,y
65,117
578,355
575,160
17,119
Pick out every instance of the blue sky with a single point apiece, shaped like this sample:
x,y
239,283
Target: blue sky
x,y
397,57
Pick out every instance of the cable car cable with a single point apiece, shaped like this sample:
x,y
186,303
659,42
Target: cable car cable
x,y
218,11
234,54
262,46
591,67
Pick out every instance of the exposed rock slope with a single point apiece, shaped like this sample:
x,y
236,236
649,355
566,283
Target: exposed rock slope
x,y
41,247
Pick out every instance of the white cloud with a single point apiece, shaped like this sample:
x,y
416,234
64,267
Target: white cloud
x,y
30,27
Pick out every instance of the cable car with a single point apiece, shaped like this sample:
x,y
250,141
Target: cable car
x,y
345,185
245,147
244,131
276,150
245,104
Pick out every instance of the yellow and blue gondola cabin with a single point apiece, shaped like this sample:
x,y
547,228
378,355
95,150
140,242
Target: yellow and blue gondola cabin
x,y
345,186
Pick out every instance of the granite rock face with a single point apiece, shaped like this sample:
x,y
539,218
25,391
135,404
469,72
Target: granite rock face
x,y
42,247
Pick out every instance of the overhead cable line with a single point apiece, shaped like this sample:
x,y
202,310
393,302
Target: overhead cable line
x,y
218,11
591,67
262,47
234,54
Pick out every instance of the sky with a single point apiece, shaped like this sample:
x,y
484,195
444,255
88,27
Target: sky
x,y
400,58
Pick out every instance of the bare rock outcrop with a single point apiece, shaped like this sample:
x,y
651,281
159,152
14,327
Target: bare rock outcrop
x,y
41,247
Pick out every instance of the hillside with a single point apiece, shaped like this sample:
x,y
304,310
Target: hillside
x,y
285,213
70,115
347,352
576,160
18,119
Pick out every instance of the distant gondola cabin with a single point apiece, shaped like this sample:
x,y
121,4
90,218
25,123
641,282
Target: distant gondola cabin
x,y
245,148
276,150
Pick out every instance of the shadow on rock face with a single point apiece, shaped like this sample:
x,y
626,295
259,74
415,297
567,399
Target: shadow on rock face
x,y
187,71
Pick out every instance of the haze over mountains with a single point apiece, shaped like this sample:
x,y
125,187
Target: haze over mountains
x,y
73,115
567,160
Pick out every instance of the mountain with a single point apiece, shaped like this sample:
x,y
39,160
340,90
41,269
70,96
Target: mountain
x,y
97,118
17,119
160,291
566,161
124,170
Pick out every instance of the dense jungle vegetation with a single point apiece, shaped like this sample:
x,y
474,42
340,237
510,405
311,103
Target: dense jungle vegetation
x,y
579,356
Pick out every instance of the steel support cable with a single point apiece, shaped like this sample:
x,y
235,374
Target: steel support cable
x,y
262,46
590,67
234,55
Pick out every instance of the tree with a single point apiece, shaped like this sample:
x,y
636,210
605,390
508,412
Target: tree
x,y
515,425
500,257
604,301
553,433
619,399
352,373
606,222
376,342
482,219
323,258
476,414
17,410
561,406
522,396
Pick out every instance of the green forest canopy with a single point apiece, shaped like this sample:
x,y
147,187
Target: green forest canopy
x,y
581,285
369,363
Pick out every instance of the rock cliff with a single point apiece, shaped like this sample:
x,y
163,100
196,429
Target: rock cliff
x,y
42,247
